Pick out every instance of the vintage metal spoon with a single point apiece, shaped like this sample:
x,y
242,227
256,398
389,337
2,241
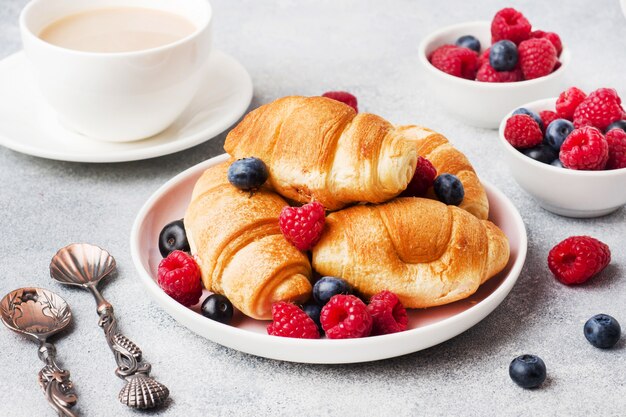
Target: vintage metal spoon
x,y
85,265
39,314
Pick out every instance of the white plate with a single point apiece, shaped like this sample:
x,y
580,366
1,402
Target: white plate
x,y
426,327
30,126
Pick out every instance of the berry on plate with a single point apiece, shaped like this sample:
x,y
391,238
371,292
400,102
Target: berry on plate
x,y
578,258
537,58
487,74
484,57
568,101
551,36
173,237
616,139
248,173
542,153
585,149
470,42
547,117
449,189
455,60
602,331
302,226
344,97
327,287
388,313
503,56
346,317
557,132
524,110
179,277
423,179
557,163
522,131
599,109
511,25
217,307
290,321
314,310
528,371
620,124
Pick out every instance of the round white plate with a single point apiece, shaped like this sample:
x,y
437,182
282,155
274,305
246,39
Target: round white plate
x,y
29,125
426,327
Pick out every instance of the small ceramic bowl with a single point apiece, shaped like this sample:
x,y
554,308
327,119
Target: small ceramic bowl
x,y
477,103
563,191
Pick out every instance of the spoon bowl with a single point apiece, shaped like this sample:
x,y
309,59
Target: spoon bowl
x,y
81,264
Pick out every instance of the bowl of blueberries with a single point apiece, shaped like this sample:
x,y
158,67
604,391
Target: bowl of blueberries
x,y
479,79
569,153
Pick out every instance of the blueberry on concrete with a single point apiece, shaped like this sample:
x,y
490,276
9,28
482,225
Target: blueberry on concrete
x,y
528,371
602,331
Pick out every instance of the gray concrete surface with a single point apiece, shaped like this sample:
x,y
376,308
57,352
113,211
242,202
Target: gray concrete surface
x,y
308,47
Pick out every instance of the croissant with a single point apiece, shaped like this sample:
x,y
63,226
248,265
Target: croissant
x,y
318,148
427,253
447,159
239,247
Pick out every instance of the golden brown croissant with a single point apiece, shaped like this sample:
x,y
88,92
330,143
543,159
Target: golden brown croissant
x,y
428,253
318,148
239,246
447,159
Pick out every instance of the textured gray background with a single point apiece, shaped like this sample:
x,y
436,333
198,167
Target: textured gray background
x,y
308,47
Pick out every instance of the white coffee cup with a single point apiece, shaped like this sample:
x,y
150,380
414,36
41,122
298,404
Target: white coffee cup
x,y
120,96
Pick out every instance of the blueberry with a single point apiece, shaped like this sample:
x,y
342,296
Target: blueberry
x,y
602,331
449,189
523,110
313,310
217,307
470,42
557,163
503,55
326,287
247,173
620,124
527,371
556,133
542,153
173,237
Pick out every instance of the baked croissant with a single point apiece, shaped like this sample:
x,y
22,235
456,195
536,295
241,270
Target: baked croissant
x,y
319,149
239,246
427,253
447,159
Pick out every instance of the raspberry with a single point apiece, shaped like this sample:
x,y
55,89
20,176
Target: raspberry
x,y
423,178
388,313
554,39
484,57
179,277
568,101
486,73
345,317
344,97
537,57
290,321
616,139
509,24
547,117
302,226
522,131
585,148
601,108
578,258
455,60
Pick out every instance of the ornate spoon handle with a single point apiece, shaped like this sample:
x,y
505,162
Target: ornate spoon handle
x,y
55,382
141,390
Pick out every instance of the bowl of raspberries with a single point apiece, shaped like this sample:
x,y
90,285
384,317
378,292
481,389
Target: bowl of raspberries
x,y
569,152
479,71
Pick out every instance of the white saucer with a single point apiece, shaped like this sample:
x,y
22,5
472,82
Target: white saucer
x,y
28,125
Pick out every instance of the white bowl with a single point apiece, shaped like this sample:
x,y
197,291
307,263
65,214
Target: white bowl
x,y
477,103
567,192
427,327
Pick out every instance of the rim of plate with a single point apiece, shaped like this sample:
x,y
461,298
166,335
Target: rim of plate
x,y
151,151
477,310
